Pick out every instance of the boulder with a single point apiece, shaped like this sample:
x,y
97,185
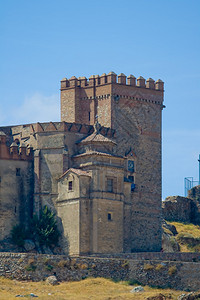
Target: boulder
x,y
169,244
178,209
190,296
170,227
137,289
52,280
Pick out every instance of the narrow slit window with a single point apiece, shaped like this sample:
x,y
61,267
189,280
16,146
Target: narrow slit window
x,y
70,185
109,217
18,172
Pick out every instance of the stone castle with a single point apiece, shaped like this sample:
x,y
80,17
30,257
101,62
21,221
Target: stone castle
x,y
99,169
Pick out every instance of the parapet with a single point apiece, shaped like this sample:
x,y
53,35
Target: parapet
x,y
70,127
14,151
96,80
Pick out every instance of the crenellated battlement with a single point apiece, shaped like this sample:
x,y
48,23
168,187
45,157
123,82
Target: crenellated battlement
x,y
112,78
14,151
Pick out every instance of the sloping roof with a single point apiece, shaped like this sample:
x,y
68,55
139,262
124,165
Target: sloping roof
x,y
97,153
79,172
2,133
96,137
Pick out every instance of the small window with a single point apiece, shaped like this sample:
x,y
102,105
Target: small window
x,y
70,186
131,178
109,216
0,179
132,187
18,171
110,185
89,115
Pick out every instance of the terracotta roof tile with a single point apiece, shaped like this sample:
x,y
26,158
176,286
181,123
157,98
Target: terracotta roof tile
x,y
76,171
96,137
97,153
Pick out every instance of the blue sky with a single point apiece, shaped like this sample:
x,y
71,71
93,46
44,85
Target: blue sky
x,y
44,41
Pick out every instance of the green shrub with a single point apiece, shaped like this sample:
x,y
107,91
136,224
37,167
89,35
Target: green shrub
x,y
44,229
18,235
132,282
31,265
48,267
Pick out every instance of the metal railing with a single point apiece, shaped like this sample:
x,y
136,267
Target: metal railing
x,y
189,184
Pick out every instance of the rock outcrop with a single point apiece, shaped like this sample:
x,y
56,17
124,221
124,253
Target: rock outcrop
x,y
180,209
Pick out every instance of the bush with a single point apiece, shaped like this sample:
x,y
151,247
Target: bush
x,y
18,235
133,282
48,267
172,270
148,267
159,267
62,264
82,266
125,264
31,265
189,240
44,229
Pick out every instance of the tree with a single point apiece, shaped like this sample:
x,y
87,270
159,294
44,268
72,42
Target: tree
x,y
44,229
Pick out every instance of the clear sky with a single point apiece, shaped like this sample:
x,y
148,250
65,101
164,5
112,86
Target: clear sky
x,y
43,41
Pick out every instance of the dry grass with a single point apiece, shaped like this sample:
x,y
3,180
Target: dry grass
x,y
182,228
189,228
91,288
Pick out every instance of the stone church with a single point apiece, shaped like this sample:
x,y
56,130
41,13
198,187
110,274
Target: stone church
x,y
98,169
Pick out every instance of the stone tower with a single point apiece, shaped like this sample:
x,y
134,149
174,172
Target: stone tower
x,y
133,109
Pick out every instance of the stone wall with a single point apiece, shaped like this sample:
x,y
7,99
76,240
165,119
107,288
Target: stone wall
x,y
177,209
16,194
182,209
174,274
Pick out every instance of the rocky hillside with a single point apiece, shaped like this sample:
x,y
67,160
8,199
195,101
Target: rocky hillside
x,y
181,237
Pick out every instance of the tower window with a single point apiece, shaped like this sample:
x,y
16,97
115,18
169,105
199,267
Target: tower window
x,y
132,187
89,116
70,186
131,178
110,216
18,171
110,185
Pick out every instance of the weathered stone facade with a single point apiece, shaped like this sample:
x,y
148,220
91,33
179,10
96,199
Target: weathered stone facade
x,y
103,181
16,185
